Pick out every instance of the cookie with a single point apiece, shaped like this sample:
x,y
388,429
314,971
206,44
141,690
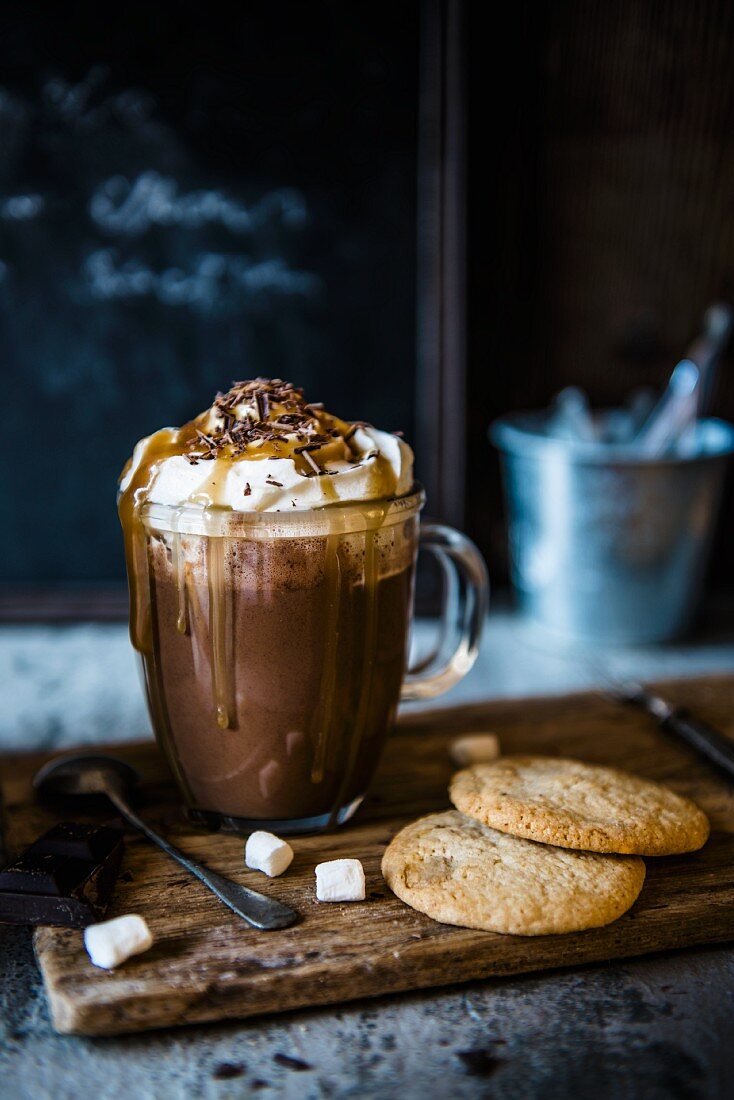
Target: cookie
x,y
460,872
581,806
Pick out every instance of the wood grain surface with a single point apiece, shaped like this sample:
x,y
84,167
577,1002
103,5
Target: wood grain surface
x,y
206,964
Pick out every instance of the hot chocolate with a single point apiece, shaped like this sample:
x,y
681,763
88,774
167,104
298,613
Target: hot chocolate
x,y
277,664
270,551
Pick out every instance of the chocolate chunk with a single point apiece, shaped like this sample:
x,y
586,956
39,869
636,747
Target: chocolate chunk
x,y
65,878
36,872
69,838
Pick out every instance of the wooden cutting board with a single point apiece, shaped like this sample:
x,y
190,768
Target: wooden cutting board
x,y
206,964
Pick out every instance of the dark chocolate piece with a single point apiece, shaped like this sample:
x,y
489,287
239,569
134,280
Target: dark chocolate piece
x,y
69,838
65,878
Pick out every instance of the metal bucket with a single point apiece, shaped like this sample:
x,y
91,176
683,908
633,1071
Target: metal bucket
x,y
606,546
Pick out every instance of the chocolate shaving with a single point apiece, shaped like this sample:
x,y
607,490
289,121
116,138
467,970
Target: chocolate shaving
x,y
266,414
306,447
310,461
349,440
248,489
271,481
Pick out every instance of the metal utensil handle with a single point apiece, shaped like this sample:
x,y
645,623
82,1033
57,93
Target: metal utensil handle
x,y
704,738
257,909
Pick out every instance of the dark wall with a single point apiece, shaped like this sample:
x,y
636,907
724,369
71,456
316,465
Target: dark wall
x,y
601,221
191,194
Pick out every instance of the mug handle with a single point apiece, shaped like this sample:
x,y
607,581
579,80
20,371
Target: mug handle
x,y
465,601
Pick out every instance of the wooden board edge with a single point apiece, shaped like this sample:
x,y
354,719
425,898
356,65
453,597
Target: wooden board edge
x,y
98,1019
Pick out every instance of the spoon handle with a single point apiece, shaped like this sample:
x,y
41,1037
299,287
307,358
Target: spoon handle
x,y
257,909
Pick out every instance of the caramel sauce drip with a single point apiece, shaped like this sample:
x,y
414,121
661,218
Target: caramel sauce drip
x,y
220,632
179,572
253,420
324,716
164,444
374,517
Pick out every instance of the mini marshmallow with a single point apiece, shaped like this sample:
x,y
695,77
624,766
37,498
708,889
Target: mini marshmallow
x,y
475,748
268,853
108,944
340,880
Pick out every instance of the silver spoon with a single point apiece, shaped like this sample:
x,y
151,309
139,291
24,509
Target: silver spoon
x,y
674,413
82,775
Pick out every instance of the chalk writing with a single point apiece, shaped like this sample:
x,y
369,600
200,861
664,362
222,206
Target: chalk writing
x,y
21,208
126,175
119,206
215,281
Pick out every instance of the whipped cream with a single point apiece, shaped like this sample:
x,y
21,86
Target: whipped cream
x,y
261,447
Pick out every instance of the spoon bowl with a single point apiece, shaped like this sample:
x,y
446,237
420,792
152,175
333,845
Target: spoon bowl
x,y
87,776
80,775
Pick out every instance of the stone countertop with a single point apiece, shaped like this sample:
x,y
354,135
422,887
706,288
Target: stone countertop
x,y
658,1027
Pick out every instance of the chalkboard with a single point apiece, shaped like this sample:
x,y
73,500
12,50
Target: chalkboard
x,y
188,198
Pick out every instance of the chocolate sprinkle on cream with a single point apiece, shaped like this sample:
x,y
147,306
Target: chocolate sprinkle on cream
x,y
276,413
314,465
268,420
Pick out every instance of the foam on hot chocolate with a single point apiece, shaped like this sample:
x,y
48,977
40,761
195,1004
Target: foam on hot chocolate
x,y
262,447
285,563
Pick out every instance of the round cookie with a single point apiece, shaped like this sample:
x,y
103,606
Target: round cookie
x,y
581,806
460,872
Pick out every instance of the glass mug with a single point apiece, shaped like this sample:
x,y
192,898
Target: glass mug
x,y
274,650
